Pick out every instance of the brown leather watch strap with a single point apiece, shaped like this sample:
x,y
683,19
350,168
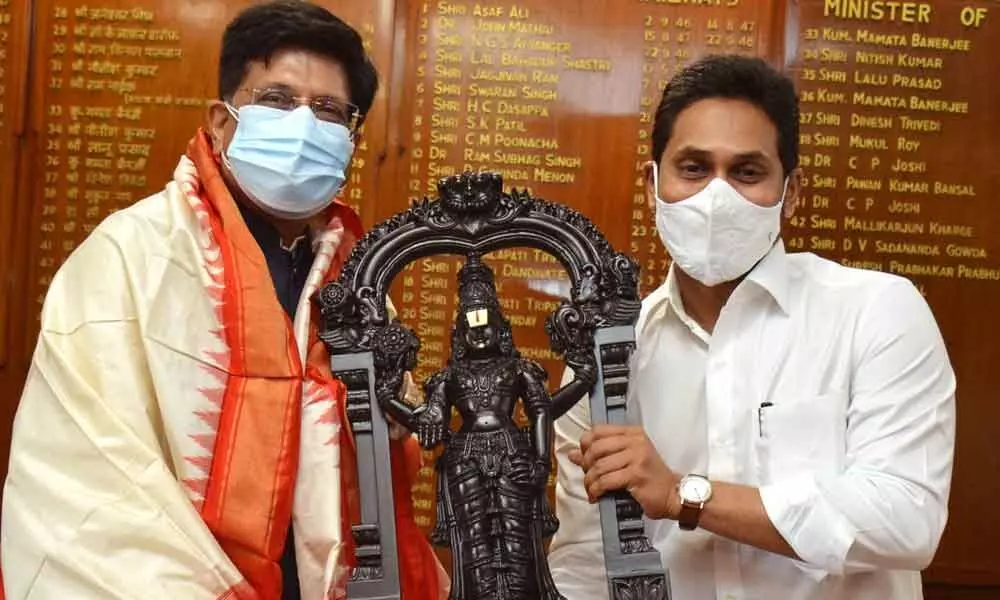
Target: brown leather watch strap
x,y
688,518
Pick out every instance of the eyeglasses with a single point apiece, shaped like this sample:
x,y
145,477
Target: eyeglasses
x,y
326,108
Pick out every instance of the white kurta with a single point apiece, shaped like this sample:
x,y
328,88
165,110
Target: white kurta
x,y
853,459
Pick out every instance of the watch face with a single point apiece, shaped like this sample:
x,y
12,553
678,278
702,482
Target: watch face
x,y
696,489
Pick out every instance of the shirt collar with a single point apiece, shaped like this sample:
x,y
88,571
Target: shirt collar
x,y
265,233
676,304
771,275
665,299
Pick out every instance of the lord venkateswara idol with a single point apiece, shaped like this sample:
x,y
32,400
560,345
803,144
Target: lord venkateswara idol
x,y
492,508
492,475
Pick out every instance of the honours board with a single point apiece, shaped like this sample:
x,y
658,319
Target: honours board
x,y
899,136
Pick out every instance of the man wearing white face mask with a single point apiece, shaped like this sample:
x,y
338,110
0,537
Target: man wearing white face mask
x,y
795,417
181,434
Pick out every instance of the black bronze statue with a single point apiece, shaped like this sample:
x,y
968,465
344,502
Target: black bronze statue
x,y
492,508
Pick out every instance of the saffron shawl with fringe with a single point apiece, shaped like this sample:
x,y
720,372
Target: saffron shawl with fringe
x,y
175,421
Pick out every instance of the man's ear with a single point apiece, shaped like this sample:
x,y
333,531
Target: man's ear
x,y
218,119
793,193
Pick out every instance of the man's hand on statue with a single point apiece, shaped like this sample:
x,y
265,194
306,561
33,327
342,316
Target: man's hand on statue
x,y
616,457
409,394
431,426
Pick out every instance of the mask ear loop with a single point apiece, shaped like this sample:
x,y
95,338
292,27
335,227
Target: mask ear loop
x,y
781,203
234,113
656,179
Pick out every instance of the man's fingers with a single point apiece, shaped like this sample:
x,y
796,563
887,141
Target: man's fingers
x,y
608,483
604,447
608,464
576,457
603,431
600,432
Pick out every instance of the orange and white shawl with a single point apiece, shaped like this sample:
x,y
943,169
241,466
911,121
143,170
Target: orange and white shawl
x,y
175,421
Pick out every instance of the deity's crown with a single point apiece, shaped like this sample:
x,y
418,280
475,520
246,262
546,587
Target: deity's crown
x,y
471,193
476,286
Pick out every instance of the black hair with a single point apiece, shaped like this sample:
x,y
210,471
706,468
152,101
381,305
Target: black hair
x,y
262,30
735,77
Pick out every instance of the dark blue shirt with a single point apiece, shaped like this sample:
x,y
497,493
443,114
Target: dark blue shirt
x,y
289,268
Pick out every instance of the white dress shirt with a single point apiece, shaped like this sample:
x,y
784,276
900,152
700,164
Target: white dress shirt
x,y
853,458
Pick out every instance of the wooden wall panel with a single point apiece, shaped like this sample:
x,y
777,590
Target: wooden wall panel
x,y
15,32
936,591
899,137
8,156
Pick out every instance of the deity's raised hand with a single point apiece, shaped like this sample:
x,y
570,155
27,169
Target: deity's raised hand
x,y
431,425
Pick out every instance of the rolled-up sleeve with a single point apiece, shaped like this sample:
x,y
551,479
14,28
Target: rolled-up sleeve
x,y
887,509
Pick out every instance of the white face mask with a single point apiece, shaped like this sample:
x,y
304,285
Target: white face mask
x,y
716,235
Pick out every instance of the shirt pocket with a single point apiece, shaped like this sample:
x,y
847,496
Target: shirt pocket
x,y
802,437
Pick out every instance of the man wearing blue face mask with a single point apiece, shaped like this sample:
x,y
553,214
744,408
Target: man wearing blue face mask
x,y
181,434
796,418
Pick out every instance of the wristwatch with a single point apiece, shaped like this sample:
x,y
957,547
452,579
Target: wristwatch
x,y
694,491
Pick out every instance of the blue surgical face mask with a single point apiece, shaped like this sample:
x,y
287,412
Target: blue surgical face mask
x,y
289,163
